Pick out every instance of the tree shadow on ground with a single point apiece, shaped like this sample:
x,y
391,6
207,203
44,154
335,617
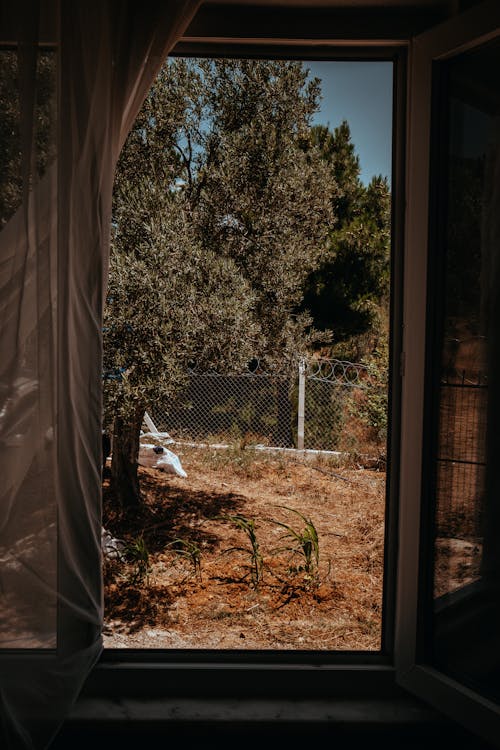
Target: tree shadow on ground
x,y
168,512
138,605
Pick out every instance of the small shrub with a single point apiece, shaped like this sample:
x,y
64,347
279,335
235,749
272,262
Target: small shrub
x,y
256,560
373,409
304,543
190,551
137,553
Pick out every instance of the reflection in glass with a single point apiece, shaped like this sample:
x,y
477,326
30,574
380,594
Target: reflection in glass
x,y
466,625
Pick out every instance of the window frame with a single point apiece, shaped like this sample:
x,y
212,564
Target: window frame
x,y
468,31
340,672
340,663
348,674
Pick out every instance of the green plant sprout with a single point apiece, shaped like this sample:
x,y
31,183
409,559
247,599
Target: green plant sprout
x,y
256,560
137,553
304,543
191,551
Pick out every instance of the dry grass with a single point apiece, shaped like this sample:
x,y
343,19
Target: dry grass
x,y
337,607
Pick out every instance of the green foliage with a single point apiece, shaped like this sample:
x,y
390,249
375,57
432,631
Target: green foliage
x,y
169,303
303,542
350,286
247,525
266,199
43,137
222,205
136,552
372,408
239,230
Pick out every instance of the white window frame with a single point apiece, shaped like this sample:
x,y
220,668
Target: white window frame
x,y
472,29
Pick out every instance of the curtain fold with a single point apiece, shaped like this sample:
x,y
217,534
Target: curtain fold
x,y
66,108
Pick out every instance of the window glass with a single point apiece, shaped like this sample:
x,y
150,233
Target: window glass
x,y
247,333
466,560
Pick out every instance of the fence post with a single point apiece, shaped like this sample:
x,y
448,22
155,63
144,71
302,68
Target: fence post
x,y
301,406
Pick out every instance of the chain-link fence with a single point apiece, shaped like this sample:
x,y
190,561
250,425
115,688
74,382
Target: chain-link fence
x,y
461,455
306,407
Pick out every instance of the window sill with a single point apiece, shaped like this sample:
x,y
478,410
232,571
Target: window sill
x,y
225,723
339,712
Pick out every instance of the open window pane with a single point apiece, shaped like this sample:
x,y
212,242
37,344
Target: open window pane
x,y
241,206
465,642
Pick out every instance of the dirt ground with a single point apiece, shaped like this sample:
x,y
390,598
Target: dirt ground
x,y
206,591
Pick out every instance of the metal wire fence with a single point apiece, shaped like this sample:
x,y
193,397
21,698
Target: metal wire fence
x,y
460,469
304,407
461,457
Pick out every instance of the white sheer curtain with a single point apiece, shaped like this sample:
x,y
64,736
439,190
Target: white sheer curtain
x,y
72,79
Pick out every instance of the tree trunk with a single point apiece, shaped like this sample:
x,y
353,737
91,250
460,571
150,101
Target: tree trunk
x,y
124,479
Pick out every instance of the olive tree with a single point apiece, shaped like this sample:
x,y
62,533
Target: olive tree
x,y
222,207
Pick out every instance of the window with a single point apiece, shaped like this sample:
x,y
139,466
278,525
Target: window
x,y
447,651
440,678
411,669
275,539
464,568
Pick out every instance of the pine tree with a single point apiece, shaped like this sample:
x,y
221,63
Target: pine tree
x,y
347,293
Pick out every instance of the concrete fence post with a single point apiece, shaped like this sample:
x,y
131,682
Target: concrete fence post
x,y
301,405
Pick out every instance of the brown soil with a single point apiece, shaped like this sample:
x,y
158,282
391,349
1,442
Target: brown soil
x,y
334,606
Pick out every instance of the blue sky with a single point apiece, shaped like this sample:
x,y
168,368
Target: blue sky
x,y
361,93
